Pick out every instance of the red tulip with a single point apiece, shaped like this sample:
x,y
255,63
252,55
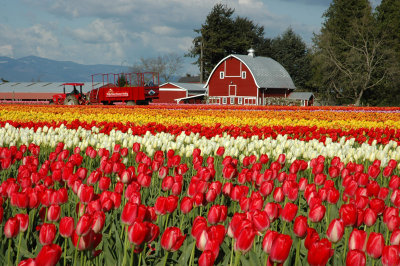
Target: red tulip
x,y
23,219
356,258
317,212
390,256
244,240
84,225
369,217
11,228
47,234
66,226
49,255
395,237
129,213
273,210
53,213
348,213
300,226
375,245
289,212
311,237
207,258
199,225
186,205
172,239
269,240
320,252
27,262
280,248
217,214
357,240
137,233
260,220
335,230
98,220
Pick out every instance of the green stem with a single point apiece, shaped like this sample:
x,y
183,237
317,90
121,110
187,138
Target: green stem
x,y
9,251
140,256
125,246
237,258
232,251
192,255
76,250
297,261
65,251
19,245
345,245
133,254
166,257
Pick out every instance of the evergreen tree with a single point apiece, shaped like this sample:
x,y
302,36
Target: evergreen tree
x,y
348,60
221,35
388,23
290,51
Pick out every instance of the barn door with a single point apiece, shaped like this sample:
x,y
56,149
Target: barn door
x,y
232,90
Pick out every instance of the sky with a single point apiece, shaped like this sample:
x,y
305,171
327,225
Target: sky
x,y
120,32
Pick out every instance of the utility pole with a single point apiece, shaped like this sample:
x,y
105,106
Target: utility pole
x,y
201,60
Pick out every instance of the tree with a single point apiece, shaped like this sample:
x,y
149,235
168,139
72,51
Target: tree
x,y
349,52
167,65
221,35
388,23
290,51
122,81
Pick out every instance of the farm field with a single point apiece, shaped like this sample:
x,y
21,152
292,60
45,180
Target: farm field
x,y
199,185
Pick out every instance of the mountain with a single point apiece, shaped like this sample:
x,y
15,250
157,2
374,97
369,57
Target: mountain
x,y
33,68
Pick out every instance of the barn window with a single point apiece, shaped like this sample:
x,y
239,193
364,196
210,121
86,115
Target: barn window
x,y
232,100
239,100
223,100
243,74
221,75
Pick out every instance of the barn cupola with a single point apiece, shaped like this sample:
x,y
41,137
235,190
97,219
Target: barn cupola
x,y
251,52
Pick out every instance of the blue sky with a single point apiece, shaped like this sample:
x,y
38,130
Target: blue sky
x,y
121,31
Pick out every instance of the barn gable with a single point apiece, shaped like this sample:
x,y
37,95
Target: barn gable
x,y
245,79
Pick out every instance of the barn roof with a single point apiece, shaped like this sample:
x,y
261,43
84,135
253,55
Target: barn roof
x,y
300,96
266,72
41,87
192,87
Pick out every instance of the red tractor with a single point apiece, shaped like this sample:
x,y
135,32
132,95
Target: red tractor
x,y
75,97
129,88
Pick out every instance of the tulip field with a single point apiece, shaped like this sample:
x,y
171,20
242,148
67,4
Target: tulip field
x,y
199,185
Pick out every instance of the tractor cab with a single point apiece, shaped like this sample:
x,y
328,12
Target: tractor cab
x,y
74,97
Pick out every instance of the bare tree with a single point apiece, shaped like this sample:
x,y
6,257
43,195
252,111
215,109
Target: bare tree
x,y
357,66
167,65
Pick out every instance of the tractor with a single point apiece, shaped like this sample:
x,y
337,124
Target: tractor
x,y
75,97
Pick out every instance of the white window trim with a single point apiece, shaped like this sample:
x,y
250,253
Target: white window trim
x,y
240,100
232,100
223,100
243,74
221,75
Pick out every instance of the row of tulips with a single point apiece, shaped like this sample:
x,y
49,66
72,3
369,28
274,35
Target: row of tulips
x,y
172,117
125,205
347,149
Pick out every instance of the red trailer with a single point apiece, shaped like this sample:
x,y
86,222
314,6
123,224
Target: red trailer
x,y
129,88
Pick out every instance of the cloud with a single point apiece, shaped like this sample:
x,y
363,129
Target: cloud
x,y
311,2
6,50
37,40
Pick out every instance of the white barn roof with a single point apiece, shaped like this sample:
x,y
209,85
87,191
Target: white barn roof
x,y
190,87
267,72
42,87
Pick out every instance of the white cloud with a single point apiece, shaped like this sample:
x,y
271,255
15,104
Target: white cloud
x,y
6,50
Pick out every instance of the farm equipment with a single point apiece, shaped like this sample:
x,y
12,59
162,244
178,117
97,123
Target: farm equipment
x,y
107,89
75,97
129,88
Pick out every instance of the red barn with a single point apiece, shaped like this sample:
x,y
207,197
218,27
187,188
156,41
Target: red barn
x,y
248,80
172,92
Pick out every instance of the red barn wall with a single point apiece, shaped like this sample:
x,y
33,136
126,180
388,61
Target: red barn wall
x,y
169,92
232,69
26,96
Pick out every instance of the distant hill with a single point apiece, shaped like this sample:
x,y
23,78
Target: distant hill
x,y
32,68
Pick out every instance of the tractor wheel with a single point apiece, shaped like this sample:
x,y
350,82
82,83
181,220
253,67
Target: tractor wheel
x,y
130,103
71,100
142,102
